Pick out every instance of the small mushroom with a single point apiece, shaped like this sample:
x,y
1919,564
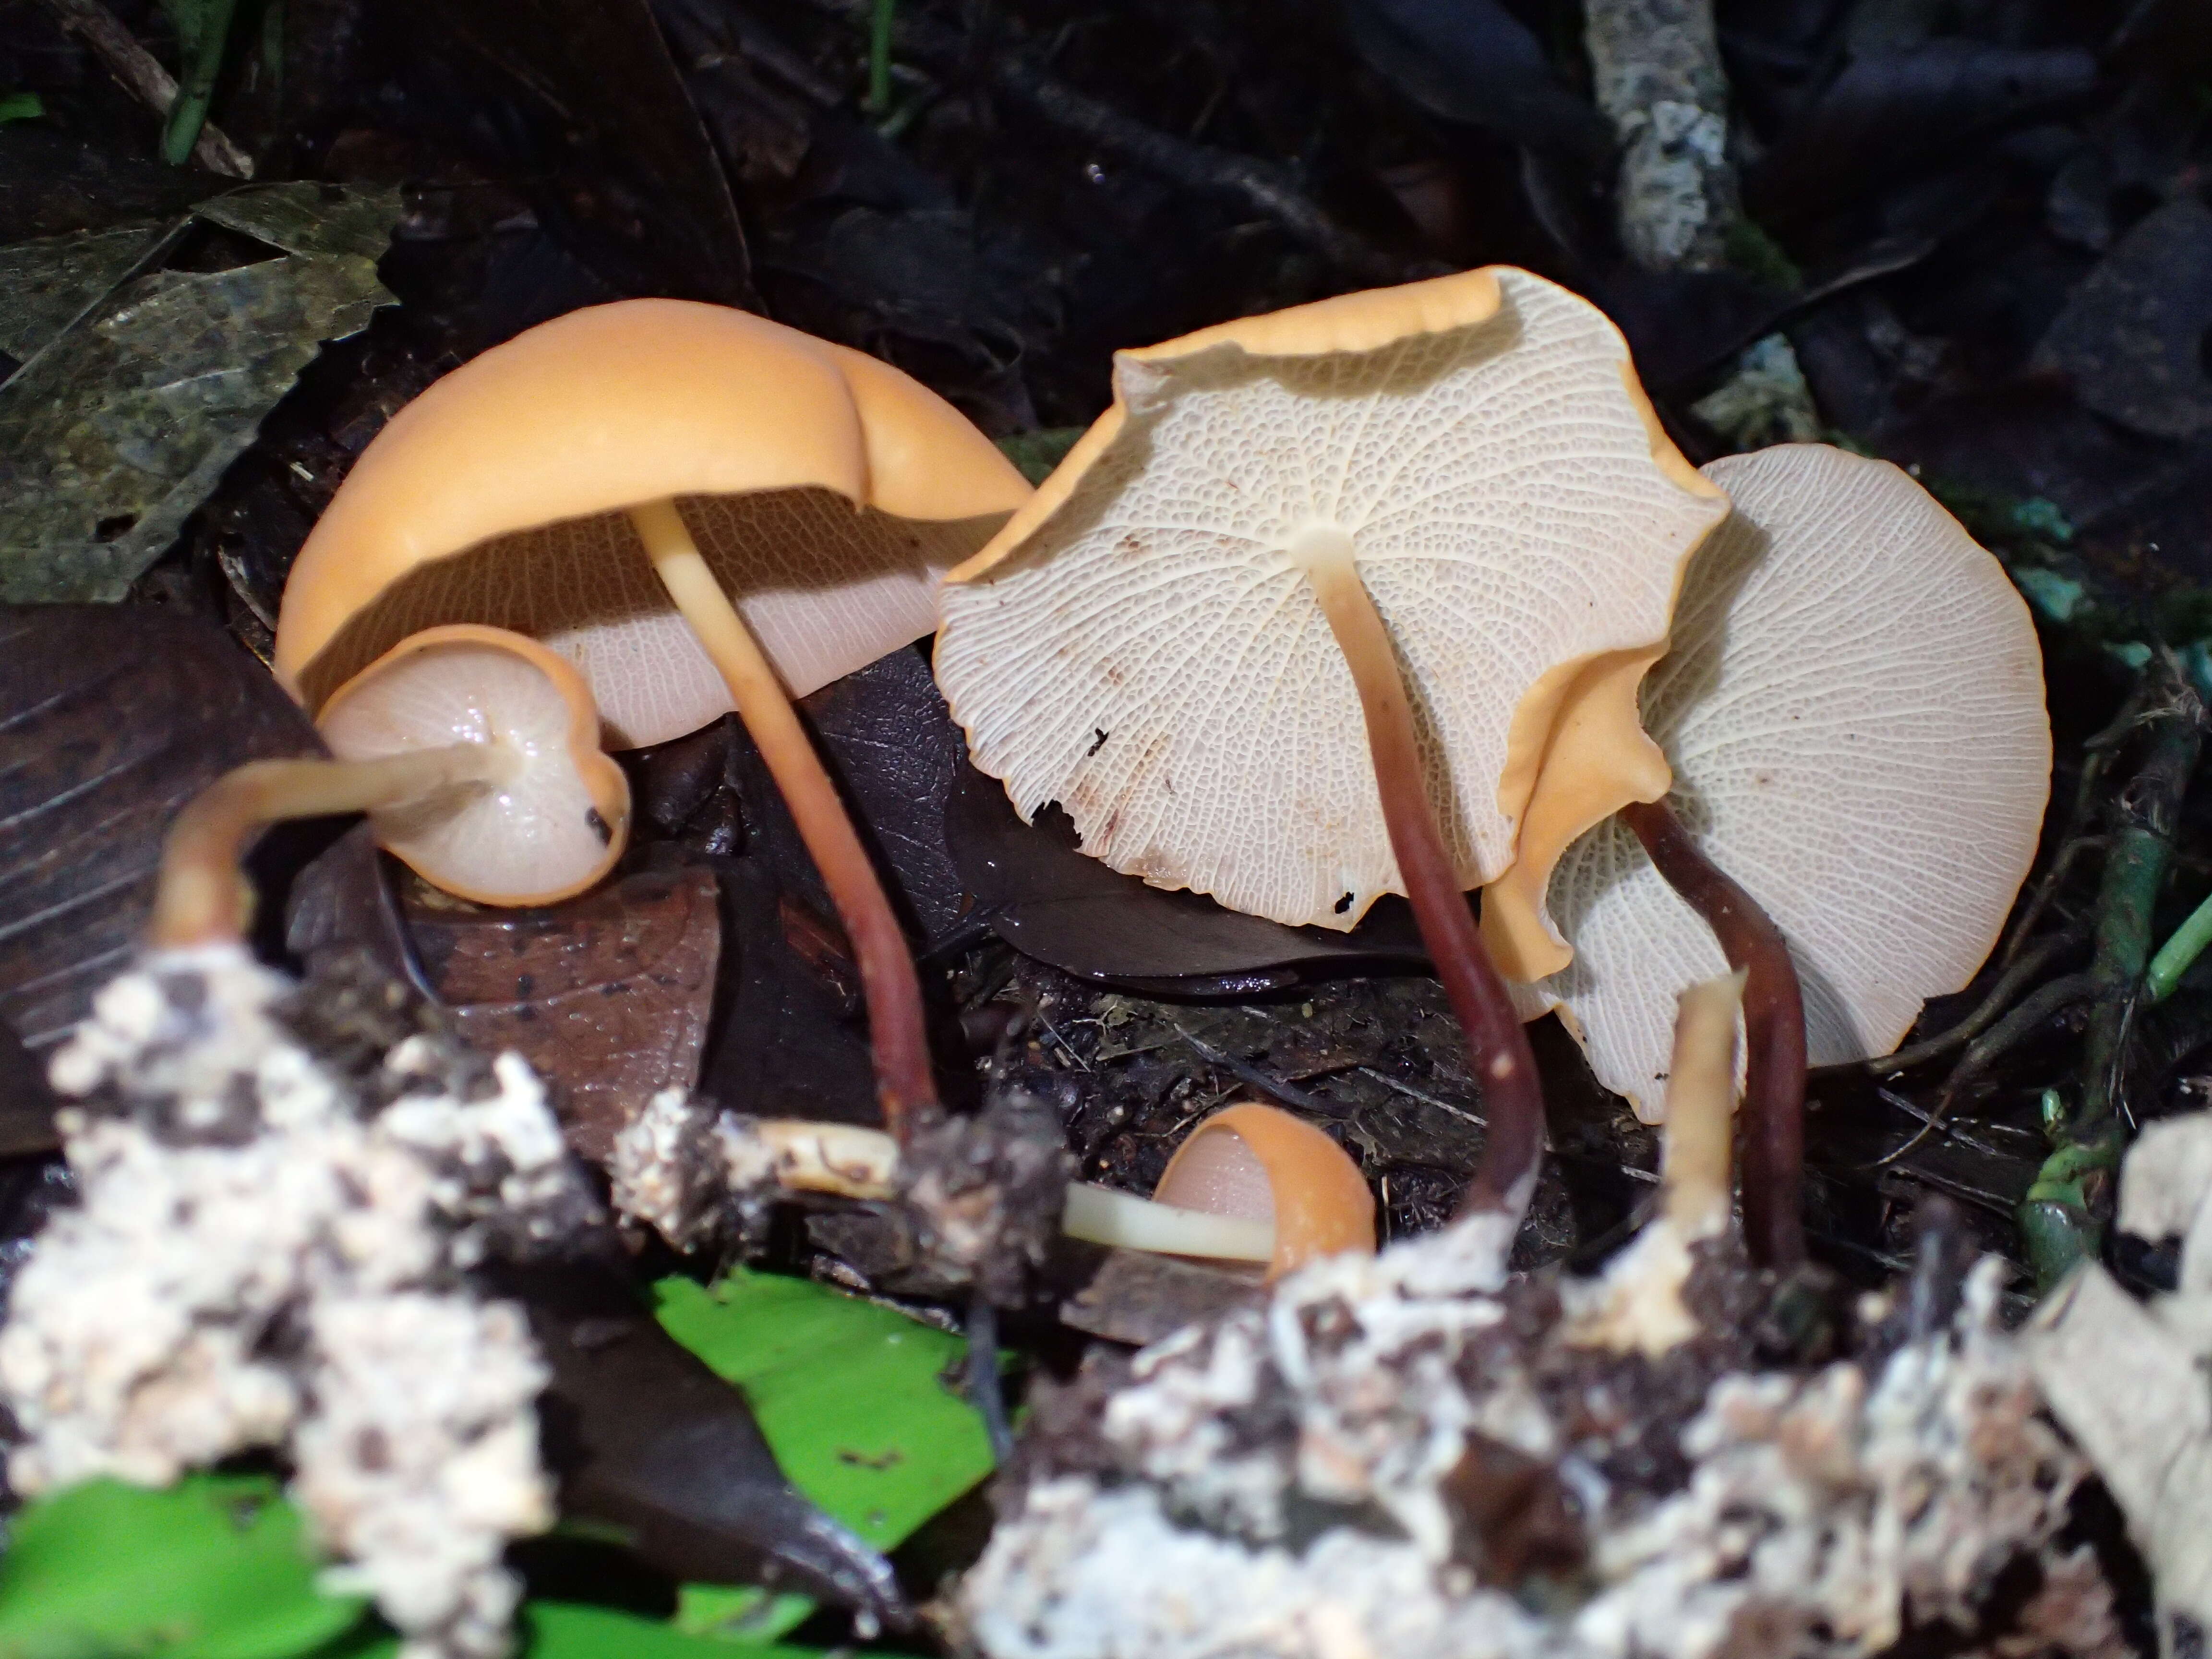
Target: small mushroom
x,y
1251,1184
1854,711
607,482
1348,599
475,752
555,817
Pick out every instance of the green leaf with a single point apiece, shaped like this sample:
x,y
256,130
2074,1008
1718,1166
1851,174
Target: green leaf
x,y
562,1630
21,107
118,426
846,1392
1035,454
740,1615
213,1568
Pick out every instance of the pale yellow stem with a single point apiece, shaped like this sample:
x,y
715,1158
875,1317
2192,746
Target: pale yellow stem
x,y
1104,1216
897,1031
1694,1173
204,898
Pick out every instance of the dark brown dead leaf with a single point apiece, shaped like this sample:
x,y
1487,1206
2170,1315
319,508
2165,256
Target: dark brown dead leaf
x,y
608,995
2131,338
110,719
1046,898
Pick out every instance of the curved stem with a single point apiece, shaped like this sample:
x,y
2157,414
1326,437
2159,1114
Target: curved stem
x,y
204,898
897,1034
1513,1096
1774,1027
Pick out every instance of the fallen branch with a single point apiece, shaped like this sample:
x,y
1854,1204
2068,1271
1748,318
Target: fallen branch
x,y
144,79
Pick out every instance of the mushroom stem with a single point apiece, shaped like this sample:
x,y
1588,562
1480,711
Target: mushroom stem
x,y
1104,1216
1497,1040
1774,1027
897,1037
203,897
1693,1171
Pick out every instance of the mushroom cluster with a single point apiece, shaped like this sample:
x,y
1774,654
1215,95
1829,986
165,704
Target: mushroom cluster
x,y
1448,508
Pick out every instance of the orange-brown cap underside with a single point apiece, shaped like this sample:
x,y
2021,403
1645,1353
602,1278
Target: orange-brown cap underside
x,y
620,404
1322,1205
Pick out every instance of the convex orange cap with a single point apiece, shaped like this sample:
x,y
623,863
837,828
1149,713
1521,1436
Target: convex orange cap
x,y
827,490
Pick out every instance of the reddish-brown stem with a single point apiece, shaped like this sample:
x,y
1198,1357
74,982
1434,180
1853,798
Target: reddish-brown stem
x,y
897,1031
1512,1093
1774,1027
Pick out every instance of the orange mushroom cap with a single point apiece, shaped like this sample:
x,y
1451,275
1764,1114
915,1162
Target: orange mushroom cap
x,y
1261,1163
828,491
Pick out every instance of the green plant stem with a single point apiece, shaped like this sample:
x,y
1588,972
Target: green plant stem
x,y
2064,1214
879,56
2178,954
203,40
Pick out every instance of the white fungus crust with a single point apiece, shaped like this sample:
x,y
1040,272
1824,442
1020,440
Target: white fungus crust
x,y
261,1257
1281,1489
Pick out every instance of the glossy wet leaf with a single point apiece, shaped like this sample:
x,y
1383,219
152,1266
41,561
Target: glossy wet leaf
x,y
647,1441
217,1567
45,284
607,996
848,1394
115,429
110,719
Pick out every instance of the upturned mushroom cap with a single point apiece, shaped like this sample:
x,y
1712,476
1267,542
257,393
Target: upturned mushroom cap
x,y
557,821
1139,643
1854,711
1260,1163
827,490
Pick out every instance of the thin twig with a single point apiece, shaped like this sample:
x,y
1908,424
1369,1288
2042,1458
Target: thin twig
x,y
2034,1012
144,79
1412,1093
1289,1093
2046,890
1949,1130
2013,980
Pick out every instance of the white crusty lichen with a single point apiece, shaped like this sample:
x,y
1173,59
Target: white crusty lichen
x,y
1292,1483
269,1251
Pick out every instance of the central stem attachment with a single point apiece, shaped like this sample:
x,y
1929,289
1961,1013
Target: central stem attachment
x,y
1498,1044
897,1035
